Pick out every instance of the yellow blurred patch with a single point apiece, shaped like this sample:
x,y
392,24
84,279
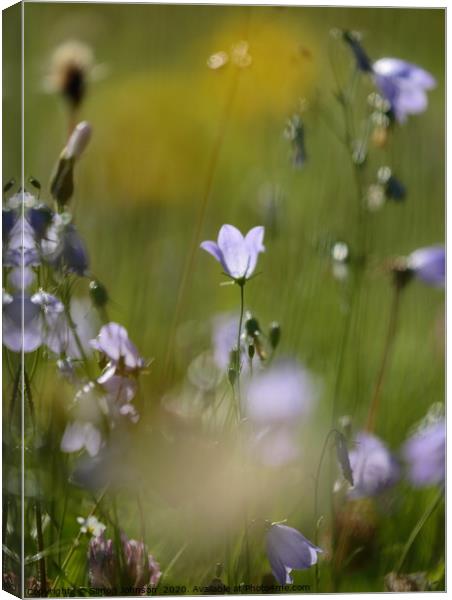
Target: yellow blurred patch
x,y
155,130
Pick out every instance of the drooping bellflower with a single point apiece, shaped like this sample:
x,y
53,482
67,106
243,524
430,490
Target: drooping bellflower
x,y
288,549
404,85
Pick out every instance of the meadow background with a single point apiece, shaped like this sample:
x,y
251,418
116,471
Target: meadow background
x,y
161,118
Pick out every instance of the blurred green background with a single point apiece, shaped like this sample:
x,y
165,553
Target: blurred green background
x,y
161,141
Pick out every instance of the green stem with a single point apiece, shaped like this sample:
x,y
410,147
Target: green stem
x,y
390,337
316,502
73,328
40,542
191,255
75,543
16,388
38,509
239,335
345,97
239,418
418,527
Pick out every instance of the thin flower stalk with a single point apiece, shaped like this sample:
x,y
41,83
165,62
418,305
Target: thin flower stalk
x,y
202,210
385,357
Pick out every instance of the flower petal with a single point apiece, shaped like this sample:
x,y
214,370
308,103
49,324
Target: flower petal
x,y
254,243
278,568
213,249
93,439
73,438
429,265
292,547
236,257
113,340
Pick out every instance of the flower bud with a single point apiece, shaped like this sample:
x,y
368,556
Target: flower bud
x,y
353,40
252,327
62,183
35,183
78,141
232,375
8,185
274,334
98,293
395,190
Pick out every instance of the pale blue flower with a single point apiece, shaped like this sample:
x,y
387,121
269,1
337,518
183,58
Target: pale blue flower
x,y
224,339
281,395
373,466
429,265
18,335
404,86
81,435
425,454
288,549
120,391
113,341
237,254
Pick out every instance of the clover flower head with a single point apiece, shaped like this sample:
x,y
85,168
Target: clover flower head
x,y
374,468
91,525
425,454
404,85
429,265
102,565
140,566
237,254
288,549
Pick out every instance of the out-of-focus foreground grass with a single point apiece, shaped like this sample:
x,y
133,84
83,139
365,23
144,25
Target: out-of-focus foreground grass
x,y
159,115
